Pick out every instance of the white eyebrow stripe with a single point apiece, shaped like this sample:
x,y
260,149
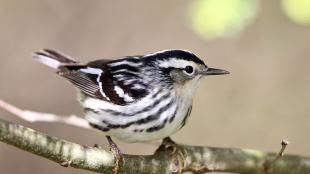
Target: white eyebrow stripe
x,y
174,62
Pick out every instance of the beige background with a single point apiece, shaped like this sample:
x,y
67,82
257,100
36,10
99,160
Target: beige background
x,y
265,99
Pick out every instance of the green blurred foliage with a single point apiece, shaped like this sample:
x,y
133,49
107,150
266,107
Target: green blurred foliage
x,y
217,18
297,10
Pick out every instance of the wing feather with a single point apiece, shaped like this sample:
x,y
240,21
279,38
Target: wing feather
x,y
116,81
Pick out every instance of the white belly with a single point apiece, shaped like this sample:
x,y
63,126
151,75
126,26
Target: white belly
x,y
163,126
170,128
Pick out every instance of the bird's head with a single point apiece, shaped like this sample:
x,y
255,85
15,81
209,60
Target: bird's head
x,y
182,67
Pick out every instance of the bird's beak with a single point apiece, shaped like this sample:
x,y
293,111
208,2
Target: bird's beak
x,y
214,71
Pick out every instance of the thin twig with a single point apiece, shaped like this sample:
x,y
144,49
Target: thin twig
x,y
268,163
284,143
32,116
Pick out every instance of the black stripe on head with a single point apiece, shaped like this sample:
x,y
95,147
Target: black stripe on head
x,y
181,54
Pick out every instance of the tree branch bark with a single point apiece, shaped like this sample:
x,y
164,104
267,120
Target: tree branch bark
x,y
194,158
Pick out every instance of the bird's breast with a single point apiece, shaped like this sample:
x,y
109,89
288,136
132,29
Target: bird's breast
x,y
155,117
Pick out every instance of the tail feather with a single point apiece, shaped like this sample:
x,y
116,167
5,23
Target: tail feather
x,y
83,77
54,59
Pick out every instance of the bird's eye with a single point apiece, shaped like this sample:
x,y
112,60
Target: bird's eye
x,y
189,70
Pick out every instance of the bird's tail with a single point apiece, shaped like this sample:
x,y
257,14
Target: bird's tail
x,y
54,59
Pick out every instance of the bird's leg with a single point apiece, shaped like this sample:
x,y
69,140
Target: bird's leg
x,y
116,153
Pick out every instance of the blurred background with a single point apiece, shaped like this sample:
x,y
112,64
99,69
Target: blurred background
x,y
264,44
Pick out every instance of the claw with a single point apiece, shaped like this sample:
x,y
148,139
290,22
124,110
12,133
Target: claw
x,y
176,153
168,143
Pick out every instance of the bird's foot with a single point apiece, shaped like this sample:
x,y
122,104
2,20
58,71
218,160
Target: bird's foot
x,y
176,152
170,145
116,153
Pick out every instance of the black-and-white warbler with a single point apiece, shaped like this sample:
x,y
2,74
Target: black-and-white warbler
x,y
134,98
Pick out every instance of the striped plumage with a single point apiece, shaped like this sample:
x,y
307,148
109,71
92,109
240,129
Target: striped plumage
x,y
134,98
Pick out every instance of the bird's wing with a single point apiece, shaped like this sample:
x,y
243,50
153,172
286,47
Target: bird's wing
x,y
86,82
109,80
121,81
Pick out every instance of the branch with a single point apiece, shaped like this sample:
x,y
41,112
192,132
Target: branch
x,y
194,158
32,116
189,158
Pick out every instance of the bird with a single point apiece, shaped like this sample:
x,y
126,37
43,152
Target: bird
x,y
134,98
